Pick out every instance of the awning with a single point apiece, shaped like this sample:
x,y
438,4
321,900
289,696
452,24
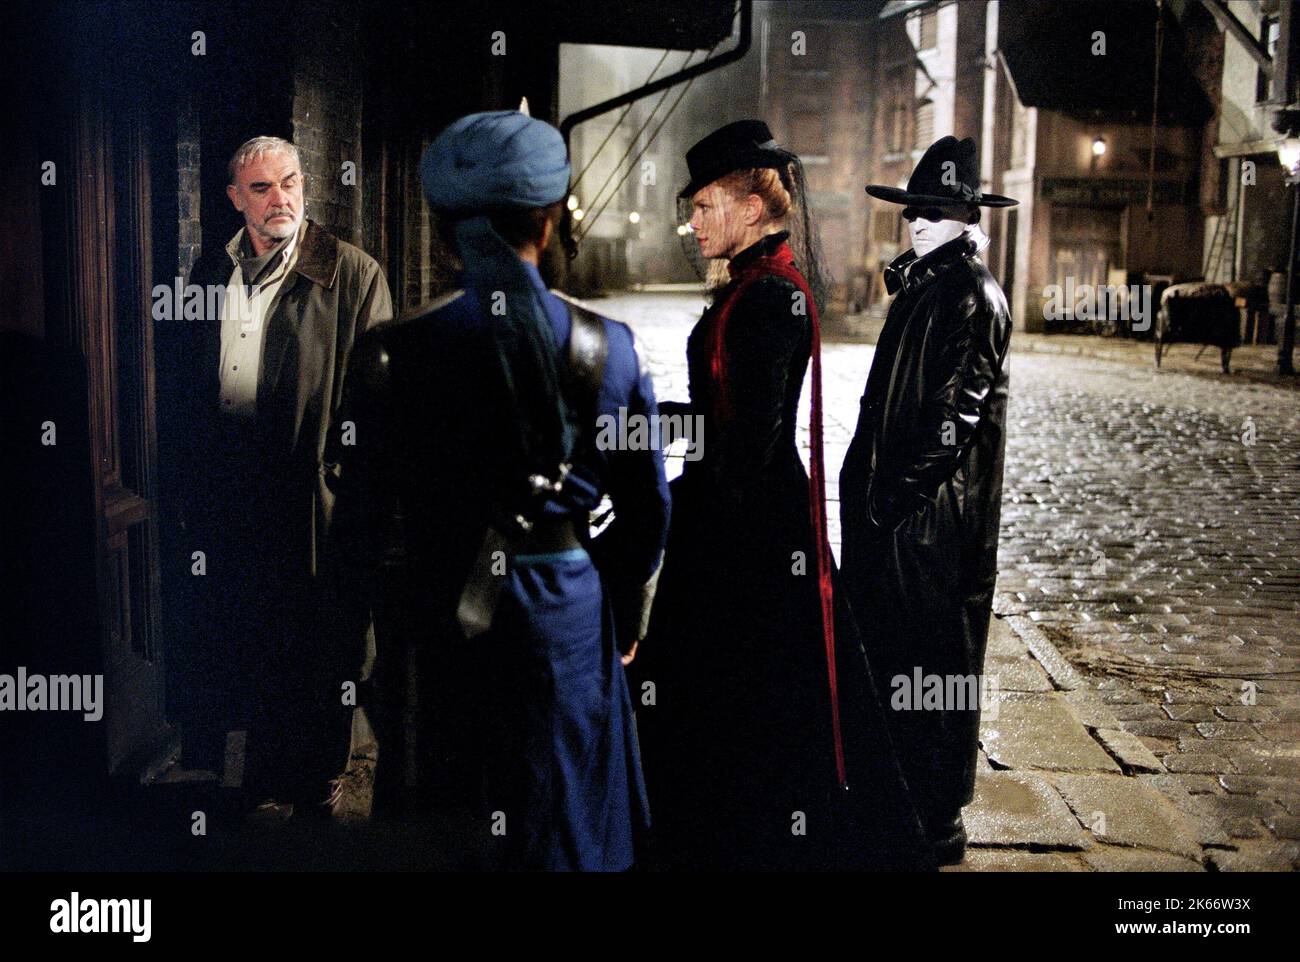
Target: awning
x,y
1048,51
896,7
661,25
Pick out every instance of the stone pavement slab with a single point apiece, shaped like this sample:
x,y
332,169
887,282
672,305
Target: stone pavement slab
x,y
1021,809
1124,811
1008,662
1012,860
1129,750
1038,731
1113,858
1261,856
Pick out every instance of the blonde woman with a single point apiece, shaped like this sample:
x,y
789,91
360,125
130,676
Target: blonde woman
x,y
765,746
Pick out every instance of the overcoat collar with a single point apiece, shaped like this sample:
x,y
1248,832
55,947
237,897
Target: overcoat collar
x,y
318,262
907,272
763,247
318,256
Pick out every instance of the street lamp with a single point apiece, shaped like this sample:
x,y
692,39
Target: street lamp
x,y
1098,151
1288,152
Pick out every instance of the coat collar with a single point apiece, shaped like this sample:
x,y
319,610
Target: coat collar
x,y
909,272
318,262
318,255
763,247
254,266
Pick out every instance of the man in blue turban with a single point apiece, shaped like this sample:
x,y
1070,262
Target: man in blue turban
x,y
502,627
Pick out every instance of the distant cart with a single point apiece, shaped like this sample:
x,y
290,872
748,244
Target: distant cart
x,y
1198,313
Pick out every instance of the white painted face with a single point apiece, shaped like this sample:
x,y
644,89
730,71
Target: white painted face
x,y
929,234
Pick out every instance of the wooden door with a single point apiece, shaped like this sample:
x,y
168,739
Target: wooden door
x,y
1085,244
99,277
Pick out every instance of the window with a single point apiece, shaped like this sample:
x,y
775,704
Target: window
x,y
929,30
924,124
898,127
897,100
886,225
1019,136
1268,36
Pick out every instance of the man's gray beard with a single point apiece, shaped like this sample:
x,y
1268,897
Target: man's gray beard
x,y
269,231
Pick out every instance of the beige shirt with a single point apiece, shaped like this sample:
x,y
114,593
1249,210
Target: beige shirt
x,y
243,325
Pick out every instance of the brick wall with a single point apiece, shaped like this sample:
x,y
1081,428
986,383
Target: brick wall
x,y
189,198
818,103
421,270
327,106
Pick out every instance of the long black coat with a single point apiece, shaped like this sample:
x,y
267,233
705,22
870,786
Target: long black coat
x,y
920,494
737,741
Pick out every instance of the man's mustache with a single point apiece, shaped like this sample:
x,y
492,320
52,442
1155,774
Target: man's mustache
x,y
277,213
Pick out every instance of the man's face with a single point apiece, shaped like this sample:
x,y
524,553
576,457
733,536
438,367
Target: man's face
x,y
932,227
717,220
268,192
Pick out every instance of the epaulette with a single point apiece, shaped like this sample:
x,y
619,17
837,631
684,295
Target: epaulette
x,y
642,366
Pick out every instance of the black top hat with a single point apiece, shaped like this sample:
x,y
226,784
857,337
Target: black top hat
x,y
737,146
947,174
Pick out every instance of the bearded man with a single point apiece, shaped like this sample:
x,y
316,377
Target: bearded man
x,y
248,395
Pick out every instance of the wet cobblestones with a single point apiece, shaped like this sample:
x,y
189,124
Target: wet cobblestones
x,y
1151,529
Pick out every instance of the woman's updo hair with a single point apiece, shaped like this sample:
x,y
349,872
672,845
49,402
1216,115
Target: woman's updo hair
x,y
766,182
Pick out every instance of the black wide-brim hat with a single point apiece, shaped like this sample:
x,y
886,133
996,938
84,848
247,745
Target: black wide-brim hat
x,y
741,145
947,174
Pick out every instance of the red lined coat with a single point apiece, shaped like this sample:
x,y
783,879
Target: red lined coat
x,y
740,746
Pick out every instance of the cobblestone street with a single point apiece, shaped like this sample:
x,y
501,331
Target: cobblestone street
x,y
1148,639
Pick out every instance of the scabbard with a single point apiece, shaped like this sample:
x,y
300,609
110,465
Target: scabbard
x,y
482,591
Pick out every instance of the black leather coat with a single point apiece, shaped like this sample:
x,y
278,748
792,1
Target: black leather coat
x,y
920,491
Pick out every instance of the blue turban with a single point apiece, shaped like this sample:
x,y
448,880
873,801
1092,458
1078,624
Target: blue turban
x,y
497,159
481,164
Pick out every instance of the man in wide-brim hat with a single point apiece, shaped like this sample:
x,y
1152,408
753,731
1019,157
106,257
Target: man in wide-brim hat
x,y
922,483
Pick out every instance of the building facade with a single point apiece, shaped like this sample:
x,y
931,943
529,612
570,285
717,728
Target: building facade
x,y
1061,100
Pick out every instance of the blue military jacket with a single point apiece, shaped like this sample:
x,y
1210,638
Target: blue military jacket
x,y
538,710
